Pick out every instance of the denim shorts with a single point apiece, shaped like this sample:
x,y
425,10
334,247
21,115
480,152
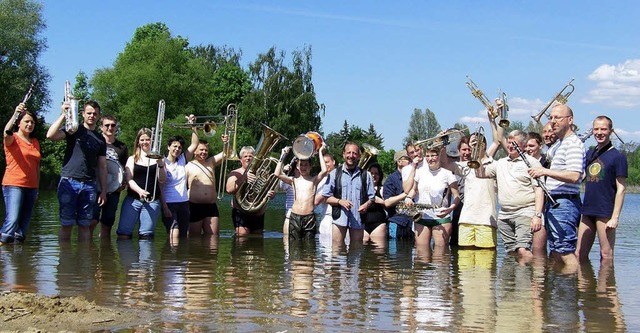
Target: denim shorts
x,y
562,224
77,200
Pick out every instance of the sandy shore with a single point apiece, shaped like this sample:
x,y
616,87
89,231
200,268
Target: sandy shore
x,y
23,312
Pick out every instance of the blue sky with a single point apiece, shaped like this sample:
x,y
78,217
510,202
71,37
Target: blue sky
x,y
374,61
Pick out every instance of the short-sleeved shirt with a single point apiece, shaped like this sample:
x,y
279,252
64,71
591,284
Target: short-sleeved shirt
x,y
81,154
392,187
600,185
175,188
566,155
516,193
118,151
23,163
351,190
480,198
433,187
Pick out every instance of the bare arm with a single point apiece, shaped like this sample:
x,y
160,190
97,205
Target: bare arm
x,y
234,181
55,132
323,167
561,175
536,222
498,136
188,154
621,184
8,139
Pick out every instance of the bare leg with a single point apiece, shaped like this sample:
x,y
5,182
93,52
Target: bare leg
x,y
105,231
423,235
607,239
356,236
65,232
285,227
242,231
441,235
211,226
540,243
195,228
586,237
84,233
338,235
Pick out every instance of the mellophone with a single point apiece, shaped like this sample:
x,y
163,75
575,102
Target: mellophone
x,y
553,202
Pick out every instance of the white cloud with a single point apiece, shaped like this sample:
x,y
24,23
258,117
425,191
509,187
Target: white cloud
x,y
616,85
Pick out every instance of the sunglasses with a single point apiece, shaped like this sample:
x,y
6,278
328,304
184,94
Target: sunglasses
x,y
109,125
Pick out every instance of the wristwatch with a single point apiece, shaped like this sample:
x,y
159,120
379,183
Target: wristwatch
x,y
538,215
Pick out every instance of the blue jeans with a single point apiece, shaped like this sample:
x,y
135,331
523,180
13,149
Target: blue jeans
x,y
134,210
108,210
18,203
76,200
562,225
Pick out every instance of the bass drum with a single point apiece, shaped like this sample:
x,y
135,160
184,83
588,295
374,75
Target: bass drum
x,y
115,176
305,145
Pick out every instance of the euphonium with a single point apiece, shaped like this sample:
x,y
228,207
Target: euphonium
x,y
503,108
156,133
561,97
252,196
230,124
71,115
477,93
477,151
368,152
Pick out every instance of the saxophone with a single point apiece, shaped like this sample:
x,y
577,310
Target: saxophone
x,y
252,196
414,211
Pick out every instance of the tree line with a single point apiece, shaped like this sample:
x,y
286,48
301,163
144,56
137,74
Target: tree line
x,y
276,89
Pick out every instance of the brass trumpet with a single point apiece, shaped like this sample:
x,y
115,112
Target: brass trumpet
x,y
444,139
477,93
478,149
503,108
561,97
208,127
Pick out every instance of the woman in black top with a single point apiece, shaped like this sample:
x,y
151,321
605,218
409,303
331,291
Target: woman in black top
x,y
375,219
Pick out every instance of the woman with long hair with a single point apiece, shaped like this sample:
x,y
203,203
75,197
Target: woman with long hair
x,y
22,175
142,203
375,220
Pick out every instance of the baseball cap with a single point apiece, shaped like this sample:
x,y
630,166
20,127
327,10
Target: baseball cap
x,y
400,154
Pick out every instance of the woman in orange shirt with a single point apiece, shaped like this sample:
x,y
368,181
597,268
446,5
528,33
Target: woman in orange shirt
x,y
22,175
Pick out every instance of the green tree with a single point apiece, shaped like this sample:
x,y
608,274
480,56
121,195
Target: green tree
x,y
21,45
282,97
422,126
355,134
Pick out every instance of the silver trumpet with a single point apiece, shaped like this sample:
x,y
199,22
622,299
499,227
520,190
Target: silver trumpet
x,y
71,115
503,109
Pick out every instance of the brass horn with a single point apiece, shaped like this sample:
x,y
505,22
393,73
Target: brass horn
x,y
477,93
368,152
208,127
444,139
252,196
561,97
477,151
231,122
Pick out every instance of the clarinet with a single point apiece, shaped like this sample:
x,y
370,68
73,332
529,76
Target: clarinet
x,y
554,204
24,101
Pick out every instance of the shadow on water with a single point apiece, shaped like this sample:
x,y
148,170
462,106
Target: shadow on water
x,y
270,284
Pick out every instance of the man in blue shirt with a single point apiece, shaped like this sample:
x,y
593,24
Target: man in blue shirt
x,y
348,197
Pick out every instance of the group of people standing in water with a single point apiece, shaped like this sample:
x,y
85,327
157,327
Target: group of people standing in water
x,y
540,207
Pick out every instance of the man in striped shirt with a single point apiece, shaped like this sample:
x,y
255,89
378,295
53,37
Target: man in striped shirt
x,y
563,182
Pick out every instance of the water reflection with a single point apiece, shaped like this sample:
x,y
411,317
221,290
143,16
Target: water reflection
x,y
266,283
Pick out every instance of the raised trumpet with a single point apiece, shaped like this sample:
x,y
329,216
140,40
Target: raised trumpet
x,y
561,97
503,108
478,149
477,93
444,139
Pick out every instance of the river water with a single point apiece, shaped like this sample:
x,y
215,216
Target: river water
x,y
265,284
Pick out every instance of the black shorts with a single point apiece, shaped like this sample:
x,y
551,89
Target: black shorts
x,y
242,219
302,226
199,211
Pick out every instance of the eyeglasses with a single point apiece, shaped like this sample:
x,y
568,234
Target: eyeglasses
x,y
109,125
557,118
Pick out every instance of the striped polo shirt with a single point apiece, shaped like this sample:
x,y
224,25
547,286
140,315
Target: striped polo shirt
x,y
567,155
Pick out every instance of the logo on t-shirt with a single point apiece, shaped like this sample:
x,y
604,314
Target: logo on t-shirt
x,y
595,171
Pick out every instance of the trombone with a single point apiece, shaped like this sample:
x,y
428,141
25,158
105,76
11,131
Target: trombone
x,y
561,97
154,152
230,126
208,127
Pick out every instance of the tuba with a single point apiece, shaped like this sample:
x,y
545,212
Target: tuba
x,y
252,196
71,115
230,125
368,152
561,97
478,149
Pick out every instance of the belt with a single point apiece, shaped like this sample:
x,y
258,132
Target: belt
x,y
82,180
566,196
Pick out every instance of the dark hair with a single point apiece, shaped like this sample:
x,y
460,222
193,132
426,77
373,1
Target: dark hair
x,y
536,136
93,104
464,140
606,118
108,117
35,123
380,172
203,142
175,138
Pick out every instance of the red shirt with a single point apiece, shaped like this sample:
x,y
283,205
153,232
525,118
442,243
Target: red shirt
x,y
23,163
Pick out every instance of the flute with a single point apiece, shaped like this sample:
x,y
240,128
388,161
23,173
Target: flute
x,y
553,202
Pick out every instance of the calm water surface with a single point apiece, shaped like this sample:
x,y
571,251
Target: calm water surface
x,y
265,284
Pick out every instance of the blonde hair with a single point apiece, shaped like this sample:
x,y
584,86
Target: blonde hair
x,y
136,144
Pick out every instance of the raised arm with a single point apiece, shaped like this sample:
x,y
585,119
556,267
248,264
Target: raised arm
x,y
55,132
188,153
